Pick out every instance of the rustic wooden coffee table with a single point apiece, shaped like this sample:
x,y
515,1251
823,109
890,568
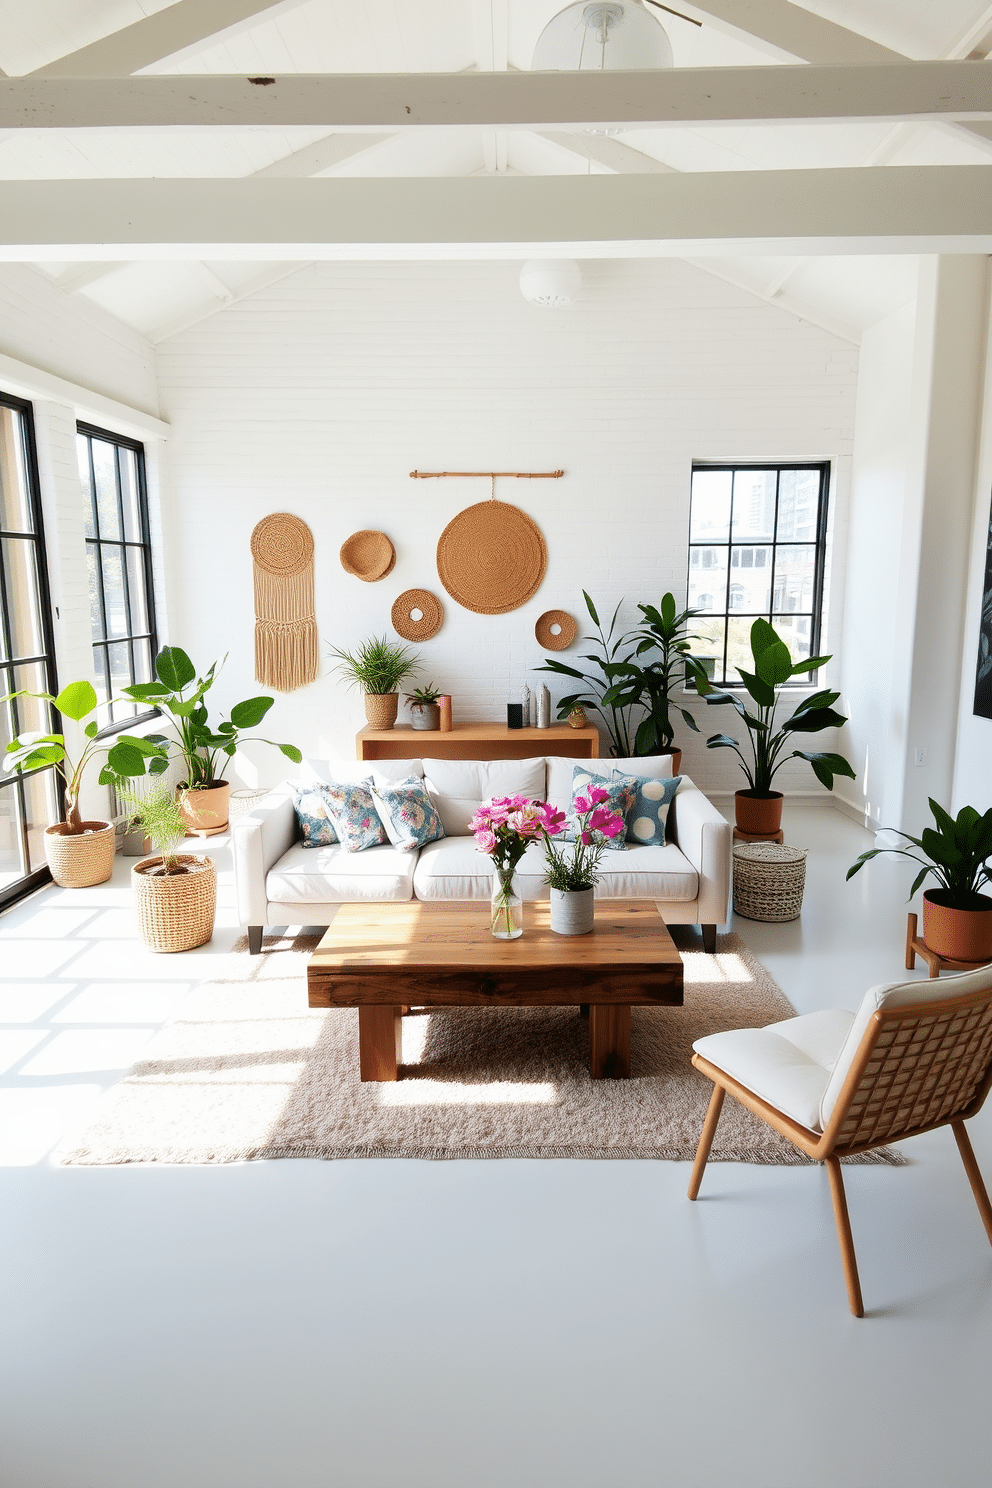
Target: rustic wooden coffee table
x,y
385,958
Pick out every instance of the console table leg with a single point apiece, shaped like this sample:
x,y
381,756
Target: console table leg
x,y
609,1041
379,1041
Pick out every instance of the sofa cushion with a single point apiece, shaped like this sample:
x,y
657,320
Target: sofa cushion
x,y
355,818
454,868
313,816
332,875
647,873
648,817
620,797
408,814
560,767
459,787
350,771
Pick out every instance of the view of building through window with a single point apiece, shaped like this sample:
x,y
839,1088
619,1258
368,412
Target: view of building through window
x,y
756,548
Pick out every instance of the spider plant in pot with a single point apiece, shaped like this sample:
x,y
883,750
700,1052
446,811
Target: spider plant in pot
x,y
79,853
759,807
425,710
175,893
377,667
957,916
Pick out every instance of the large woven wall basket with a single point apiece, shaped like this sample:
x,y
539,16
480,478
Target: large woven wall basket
x,y
491,558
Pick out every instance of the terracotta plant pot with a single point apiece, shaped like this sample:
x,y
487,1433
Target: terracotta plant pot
x,y
206,808
80,859
760,816
175,911
381,709
957,934
676,757
425,715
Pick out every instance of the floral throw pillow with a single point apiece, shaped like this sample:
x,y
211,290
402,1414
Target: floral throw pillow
x,y
647,822
354,816
313,816
408,814
621,792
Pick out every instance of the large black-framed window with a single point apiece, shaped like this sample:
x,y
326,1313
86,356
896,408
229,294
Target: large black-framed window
x,y
119,562
29,802
757,548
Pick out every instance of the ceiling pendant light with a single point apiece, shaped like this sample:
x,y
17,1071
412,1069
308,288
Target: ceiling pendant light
x,y
618,36
550,282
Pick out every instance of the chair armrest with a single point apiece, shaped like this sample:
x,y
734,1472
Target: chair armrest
x,y
705,837
257,842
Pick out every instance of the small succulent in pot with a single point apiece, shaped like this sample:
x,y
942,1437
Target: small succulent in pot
x,y
425,710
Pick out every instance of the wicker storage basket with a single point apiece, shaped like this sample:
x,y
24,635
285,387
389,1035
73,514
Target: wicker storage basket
x,y
381,709
82,859
243,801
768,881
175,912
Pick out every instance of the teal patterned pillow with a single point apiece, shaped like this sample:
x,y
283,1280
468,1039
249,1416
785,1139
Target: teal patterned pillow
x,y
408,814
648,820
621,792
354,816
313,816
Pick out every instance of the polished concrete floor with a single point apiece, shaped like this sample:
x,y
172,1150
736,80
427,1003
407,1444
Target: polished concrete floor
x,y
302,1324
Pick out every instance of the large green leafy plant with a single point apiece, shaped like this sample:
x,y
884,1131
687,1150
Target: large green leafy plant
x,y
204,749
956,853
602,690
773,667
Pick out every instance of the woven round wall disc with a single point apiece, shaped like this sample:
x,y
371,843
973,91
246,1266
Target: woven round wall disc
x,y
282,545
491,558
431,615
567,630
368,555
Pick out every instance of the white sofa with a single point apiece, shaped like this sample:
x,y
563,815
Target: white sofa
x,y
280,882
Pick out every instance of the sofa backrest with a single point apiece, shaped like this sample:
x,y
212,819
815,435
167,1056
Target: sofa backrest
x,y
345,771
459,787
560,768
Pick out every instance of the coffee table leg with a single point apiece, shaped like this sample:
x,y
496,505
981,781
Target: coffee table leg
x,y
609,1041
379,1041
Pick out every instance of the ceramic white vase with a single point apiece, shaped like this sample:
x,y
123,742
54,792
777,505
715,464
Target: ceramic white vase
x,y
572,911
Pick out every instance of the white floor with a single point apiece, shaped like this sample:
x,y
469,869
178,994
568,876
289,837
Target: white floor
x,y
461,1325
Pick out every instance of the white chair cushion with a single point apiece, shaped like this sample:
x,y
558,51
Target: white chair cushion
x,y
459,787
787,1064
560,767
454,868
332,875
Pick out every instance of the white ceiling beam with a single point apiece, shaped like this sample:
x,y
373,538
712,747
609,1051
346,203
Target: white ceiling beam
x,y
155,37
799,308
918,209
622,159
204,312
73,280
322,155
973,41
510,100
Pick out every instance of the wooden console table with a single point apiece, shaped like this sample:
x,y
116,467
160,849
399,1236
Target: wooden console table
x,y
478,741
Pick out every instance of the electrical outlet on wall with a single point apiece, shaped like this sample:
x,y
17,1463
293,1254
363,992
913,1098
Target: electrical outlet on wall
x,y
921,755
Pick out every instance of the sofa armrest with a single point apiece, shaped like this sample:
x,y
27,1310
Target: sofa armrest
x,y
705,837
258,841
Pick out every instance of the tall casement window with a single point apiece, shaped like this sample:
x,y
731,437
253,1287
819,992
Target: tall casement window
x,y
118,556
28,803
757,539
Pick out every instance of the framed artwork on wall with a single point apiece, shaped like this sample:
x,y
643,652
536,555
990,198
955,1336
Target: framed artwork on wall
x,y
983,679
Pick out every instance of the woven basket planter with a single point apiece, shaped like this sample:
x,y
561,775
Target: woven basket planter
x,y
175,911
243,801
769,879
381,709
79,860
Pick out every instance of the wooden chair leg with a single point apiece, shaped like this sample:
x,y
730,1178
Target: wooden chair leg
x,y
974,1175
845,1237
706,1139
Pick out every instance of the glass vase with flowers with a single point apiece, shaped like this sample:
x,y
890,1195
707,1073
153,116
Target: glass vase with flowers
x,y
503,829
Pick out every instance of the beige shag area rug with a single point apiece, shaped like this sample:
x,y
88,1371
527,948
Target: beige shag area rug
x,y
246,1070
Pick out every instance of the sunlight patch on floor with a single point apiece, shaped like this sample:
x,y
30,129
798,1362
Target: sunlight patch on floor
x,y
414,1092
32,1121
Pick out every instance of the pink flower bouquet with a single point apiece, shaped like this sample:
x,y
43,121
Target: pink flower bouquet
x,y
596,828
503,829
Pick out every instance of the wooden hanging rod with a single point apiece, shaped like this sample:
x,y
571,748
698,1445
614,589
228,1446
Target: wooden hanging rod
x,y
488,474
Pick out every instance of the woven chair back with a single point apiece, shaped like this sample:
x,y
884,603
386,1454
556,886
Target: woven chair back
x,y
921,1066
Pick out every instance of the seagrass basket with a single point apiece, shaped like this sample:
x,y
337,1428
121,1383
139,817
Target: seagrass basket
x,y
381,709
769,879
243,801
81,859
175,911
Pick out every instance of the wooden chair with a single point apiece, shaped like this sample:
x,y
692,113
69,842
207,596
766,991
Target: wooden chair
x,y
916,1056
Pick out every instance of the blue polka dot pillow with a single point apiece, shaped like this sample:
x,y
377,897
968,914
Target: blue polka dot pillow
x,y
313,816
408,814
648,818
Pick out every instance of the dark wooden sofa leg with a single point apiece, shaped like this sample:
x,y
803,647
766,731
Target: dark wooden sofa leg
x,y
255,939
709,938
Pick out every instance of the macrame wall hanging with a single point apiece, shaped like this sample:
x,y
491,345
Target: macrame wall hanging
x,y
285,623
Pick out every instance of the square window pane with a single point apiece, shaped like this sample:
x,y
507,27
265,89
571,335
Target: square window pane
x,y
710,519
142,651
798,505
739,650
23,609
101,683
11,841
750,579
105,471
85,485
708,646
93,579
795,631
114,600
15,508
794,572
708,579
129,494
120,676
136,590
754,504
41,811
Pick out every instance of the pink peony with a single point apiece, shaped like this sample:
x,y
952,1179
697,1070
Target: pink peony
x,y
480,820
554,820
613,825
582,805
485,840
586,838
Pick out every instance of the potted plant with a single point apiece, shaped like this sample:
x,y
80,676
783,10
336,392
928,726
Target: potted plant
x,y
759,808
572,869
664,631
175,893
425,710
957,916
378,667
80,853
603,693
204,751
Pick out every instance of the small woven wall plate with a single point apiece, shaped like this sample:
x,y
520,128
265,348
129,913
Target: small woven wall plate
x,y
567,630
408,604
491,558
368,555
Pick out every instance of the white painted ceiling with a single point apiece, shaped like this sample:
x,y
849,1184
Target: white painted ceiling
x,y
369,36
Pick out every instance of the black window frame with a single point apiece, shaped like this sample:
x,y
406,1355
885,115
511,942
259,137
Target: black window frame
x,y
819,564
41,875
121,441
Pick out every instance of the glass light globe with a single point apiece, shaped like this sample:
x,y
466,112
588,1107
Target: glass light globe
x,y
621,36
550,282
